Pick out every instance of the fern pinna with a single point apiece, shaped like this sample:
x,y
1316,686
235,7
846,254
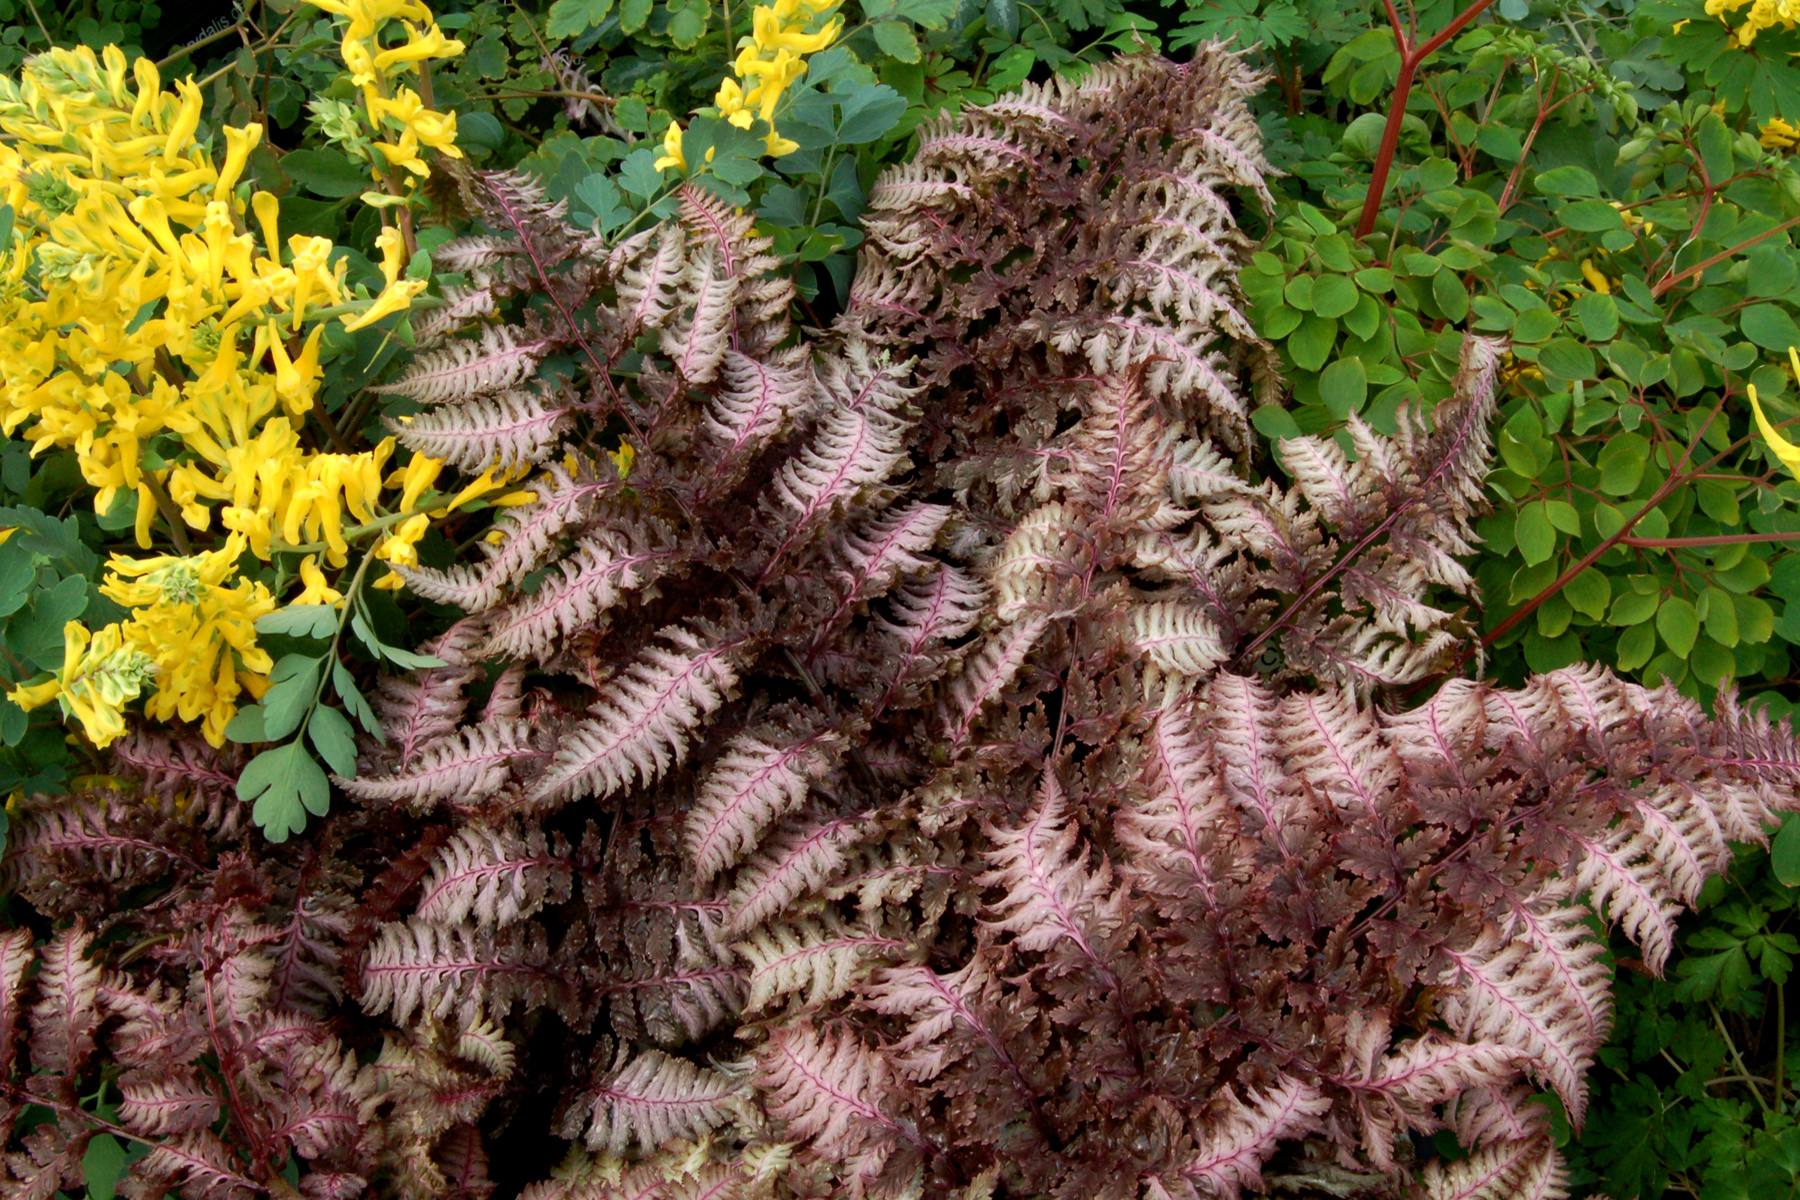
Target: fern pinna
x,y
932,757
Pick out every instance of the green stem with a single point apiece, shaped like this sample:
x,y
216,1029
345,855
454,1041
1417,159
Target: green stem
x,y
1737,1058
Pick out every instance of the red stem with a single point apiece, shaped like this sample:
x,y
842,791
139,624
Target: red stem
x,y
1411,57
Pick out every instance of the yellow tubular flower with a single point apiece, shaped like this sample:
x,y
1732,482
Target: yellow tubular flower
x,y
671,155
1785,451
99,676
317,590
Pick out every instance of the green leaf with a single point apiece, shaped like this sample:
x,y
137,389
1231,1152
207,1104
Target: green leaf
x,y
1375,279
18,575
1535,536
1717,500
480,130
1679,624
927,14
1622,461
572,18
247,725
1344,387
1769,326
283,785
1003,18
1784,852
1309,345
1566,359
1451,296
1589,592
333,738
1568,181
1632,608
1333,296
325,172
294,684
1598,314
101,1166
1299,292
300,620
895,38
347,691
633,14
1636,646
867,113
1721,616
1711,663
1562,514
1590,216
1275,423
36,635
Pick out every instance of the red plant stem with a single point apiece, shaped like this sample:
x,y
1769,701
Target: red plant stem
x,y
1724,539
1411,56
1670,280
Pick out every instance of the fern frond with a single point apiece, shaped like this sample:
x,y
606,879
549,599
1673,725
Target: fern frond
x,y
200,1163
654,1099
604,565
754,401
502,432
527,533
67,1014
754,783
828,1089
1178,637
158,1104
697,340
815,960
437,971
1530,1169
642,723
987,674
1510,997
1230,1157
797,860
466,369
496,874
1051,897
474,765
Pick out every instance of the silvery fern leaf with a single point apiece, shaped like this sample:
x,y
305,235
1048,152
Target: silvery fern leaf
x,y
474,765
642,723
603,566
502,432
655,1098
463,370
811,960
495,874
1231,1156
754,783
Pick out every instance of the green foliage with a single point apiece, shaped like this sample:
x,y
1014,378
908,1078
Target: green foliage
x,y
1644,269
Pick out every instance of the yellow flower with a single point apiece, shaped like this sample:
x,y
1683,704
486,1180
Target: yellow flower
x,y
30,696
397,297
1779,135
318,590
1785,451
1595,279
671,155
99,676
198,632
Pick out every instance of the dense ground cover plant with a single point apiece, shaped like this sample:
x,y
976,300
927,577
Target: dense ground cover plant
x,y
864,795
946,773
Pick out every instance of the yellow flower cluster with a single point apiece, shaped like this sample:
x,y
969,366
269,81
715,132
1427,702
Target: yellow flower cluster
x,y
770,59
146,296
1779,135
373,68
199,634
1763,14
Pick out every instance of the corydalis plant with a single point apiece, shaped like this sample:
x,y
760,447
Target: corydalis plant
x,y
873,794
